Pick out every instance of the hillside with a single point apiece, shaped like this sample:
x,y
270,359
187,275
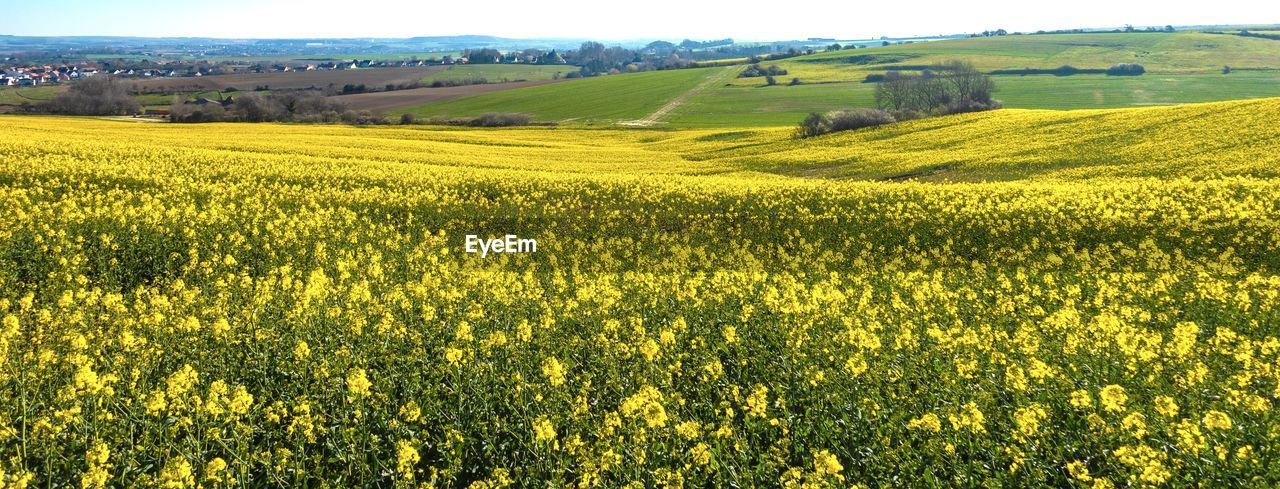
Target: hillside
x,y
266,305
1183,67
603,99
1196,140
1160,53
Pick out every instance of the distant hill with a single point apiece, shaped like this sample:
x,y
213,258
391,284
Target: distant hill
x,y
1175,52
484,41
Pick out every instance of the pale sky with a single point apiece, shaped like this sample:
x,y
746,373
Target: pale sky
x,y
605,20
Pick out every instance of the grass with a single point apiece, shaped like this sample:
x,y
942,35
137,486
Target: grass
x,y
1183,67
610,98
1181,52
742,106
18,95
501,73
1100,91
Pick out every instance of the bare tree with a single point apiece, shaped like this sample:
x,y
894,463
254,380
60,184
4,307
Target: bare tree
x,y
969,84
256,108
893,92
953,87
99,95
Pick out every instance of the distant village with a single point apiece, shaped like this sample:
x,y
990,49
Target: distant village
x,y
13,73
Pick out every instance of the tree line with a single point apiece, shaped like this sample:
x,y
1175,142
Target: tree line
x,y
950,88
953,87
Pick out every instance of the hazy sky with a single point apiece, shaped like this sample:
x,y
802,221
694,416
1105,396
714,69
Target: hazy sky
x,y
649,19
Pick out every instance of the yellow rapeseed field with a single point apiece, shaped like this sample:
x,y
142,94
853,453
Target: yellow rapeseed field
x,y
1085,299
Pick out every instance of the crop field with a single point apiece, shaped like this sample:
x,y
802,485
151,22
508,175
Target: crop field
x,y
373,77
1010,298
740,105
1162,53
603,99
1183,67
502,73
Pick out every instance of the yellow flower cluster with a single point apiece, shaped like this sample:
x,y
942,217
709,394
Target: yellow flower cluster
x,y
272,305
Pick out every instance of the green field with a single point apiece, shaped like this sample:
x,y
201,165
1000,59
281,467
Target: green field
x,y
1183,67
604,99
729,106
18,95
502,73
623,97
1181,52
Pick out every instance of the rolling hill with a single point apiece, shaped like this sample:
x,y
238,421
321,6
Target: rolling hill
x,y
1237,138
1183,67
1160,53
741,308
605,99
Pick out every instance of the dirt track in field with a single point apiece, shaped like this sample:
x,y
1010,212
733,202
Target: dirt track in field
x,y
651,119
374,78
383,101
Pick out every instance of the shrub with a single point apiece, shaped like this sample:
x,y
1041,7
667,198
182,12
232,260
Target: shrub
x,y
814,125
755,71
908,115
362,118
848,120
1126,69
350,88
458,82
771,81
258,108
407,119
100,95
964,106
501,119
191,113
842,120
794,82
874,78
